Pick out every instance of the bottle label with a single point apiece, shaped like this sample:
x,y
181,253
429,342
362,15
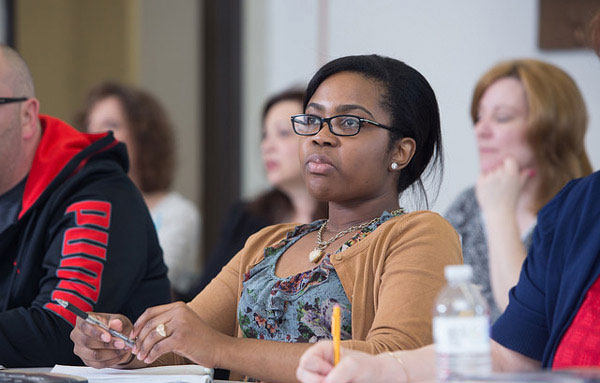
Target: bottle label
x,y
461,334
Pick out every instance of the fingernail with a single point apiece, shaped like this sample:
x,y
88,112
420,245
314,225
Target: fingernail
x,y
139,356
119,344
105,337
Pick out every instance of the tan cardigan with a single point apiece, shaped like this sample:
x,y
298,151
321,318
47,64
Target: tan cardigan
x,y
391,278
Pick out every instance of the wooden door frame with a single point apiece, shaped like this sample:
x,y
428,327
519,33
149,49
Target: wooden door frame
x,y
221,54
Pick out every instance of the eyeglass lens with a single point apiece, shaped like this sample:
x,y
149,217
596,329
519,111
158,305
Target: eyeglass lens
x,y
339,125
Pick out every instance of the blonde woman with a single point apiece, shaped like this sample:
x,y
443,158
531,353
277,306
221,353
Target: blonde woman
x,y
530,122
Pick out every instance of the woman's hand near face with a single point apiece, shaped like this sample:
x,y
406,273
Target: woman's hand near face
x,y
186,335
95,346
498,190
316,366
498,194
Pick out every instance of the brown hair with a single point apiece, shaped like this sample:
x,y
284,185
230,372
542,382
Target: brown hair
x,y
149,127
291,94
557,121
275,205
595,33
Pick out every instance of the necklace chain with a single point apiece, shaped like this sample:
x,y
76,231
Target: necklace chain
x,y
317,253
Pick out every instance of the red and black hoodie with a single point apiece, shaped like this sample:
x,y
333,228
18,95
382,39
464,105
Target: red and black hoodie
x,y
84,235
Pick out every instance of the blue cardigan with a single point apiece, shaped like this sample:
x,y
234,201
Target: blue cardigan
x,y
563,262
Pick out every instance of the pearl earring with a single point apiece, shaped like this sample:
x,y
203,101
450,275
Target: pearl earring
x,y
394,166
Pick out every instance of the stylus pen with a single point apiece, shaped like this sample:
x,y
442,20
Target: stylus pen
x,y
88,318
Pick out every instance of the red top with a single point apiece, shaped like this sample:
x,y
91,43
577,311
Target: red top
x,y
580,345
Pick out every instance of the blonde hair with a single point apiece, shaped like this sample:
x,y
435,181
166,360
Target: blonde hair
x,y
557,121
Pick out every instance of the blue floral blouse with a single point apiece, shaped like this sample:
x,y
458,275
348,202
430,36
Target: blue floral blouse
x,y
297,308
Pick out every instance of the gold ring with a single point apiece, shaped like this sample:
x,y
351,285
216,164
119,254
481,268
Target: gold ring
x,y
162,330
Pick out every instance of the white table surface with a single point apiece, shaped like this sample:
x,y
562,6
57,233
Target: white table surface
x,y
48,369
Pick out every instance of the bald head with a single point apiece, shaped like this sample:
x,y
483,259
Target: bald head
x,y
14,73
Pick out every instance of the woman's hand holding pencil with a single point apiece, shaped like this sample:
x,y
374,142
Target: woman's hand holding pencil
x,y
317,366
327,362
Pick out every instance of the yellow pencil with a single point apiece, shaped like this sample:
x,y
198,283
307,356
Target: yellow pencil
x,y
336,326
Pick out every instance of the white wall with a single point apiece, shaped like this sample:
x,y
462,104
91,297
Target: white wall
x,y
451,42
169,63
279,50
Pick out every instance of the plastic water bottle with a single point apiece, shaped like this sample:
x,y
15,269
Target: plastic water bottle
x,y
461,327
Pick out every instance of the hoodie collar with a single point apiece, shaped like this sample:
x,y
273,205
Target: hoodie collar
x,y
58,146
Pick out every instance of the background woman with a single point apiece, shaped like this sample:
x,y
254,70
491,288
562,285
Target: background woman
x,y
140,121
530,123
288,199
370,127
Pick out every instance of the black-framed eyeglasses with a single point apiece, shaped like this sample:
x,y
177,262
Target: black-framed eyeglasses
x,y
8,100
342,125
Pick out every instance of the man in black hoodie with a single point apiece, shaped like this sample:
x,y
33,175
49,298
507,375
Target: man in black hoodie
x,y
72,227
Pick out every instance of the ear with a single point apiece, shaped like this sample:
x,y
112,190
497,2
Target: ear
x,y
402,153
30,118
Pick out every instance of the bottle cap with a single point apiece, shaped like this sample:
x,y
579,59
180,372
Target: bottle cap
x,y
458,272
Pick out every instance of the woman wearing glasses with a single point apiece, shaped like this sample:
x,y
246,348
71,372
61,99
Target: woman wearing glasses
x,y
552,318
370,128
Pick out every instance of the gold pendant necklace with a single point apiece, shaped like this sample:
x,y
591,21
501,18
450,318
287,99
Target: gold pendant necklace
x,y
317,253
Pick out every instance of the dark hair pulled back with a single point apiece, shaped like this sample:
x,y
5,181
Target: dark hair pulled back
x,y
413,108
